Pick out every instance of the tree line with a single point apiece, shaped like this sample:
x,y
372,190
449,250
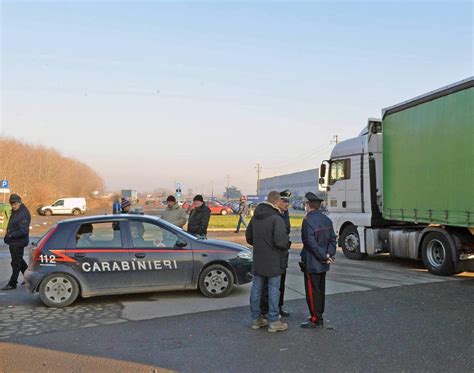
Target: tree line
x,y
40,174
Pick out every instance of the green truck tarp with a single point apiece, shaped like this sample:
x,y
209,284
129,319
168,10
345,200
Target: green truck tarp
x,y
428,158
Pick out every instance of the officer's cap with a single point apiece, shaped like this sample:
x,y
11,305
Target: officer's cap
x,y
285,195
310,196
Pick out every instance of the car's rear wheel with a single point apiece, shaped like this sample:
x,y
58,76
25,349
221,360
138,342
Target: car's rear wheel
x,y
216,281
48,212
58,290
76,212
223,212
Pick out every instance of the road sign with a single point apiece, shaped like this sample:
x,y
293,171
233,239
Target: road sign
x,y
4,184
4,191
178,185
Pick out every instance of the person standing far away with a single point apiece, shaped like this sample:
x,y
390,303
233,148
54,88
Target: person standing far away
x,y
266,232
116,206
174,213
17,238
199,218
243,211
319,248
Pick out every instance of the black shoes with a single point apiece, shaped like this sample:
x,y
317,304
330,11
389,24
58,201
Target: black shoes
x,y
312,325
285,313
9,287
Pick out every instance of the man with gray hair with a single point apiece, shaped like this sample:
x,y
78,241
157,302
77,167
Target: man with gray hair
x,y
267,234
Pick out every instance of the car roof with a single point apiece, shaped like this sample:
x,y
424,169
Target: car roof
x,y
107,217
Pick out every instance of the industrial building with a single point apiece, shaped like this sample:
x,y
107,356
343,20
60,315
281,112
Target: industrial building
x,y
299,183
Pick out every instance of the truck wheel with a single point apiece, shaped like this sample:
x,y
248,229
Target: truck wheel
x,y
216,281
436,252
350,243
58,290
76,212
48,212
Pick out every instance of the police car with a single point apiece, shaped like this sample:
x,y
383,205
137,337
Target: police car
x,y
119,254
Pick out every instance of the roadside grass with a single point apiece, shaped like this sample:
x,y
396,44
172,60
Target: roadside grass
x,y
230,221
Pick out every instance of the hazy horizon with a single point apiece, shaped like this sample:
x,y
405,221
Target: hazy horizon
x,y
151,93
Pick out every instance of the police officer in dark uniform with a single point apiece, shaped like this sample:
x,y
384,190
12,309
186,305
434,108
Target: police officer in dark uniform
x,y
283,206
319,248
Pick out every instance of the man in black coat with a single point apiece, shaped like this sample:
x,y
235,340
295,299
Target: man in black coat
x,y
199,217
266,232
319,248
17,237
283,206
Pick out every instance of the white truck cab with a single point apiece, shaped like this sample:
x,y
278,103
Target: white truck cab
x,y
65,206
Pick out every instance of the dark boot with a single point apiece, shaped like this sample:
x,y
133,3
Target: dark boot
x,y
9,287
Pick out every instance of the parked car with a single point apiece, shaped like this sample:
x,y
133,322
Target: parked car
x,y
64,206
123,253
216,208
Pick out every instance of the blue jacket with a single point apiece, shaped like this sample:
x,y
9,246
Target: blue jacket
x,y
319,239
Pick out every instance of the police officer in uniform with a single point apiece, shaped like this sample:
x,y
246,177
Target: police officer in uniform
x,y
282,205
319,248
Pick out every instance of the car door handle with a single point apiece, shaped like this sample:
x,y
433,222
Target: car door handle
x,y
140,255
80,255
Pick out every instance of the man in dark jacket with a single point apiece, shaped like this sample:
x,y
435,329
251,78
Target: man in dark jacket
x,y
319,248
199,217
266,232
17,237
283,206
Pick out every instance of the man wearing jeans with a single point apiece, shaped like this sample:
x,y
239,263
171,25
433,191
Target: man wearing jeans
x,y
266,232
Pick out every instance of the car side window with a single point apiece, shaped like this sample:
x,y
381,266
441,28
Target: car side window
x,y
103,235
151,235
59,203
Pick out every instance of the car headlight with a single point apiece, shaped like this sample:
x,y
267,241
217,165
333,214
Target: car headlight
x,y
244,255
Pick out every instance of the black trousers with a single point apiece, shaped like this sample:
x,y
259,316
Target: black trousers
x,y
315,289
18,263
264,301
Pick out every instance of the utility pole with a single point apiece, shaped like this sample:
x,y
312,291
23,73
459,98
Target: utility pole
x,y
258,167
335,139
228,186
212,190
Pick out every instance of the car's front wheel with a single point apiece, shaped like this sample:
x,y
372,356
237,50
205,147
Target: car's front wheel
x,y
48,212
58,290
216,281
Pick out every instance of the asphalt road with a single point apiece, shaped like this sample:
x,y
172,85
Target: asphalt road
x,y
390,315
424,327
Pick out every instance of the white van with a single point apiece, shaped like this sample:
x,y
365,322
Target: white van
x,y
64,206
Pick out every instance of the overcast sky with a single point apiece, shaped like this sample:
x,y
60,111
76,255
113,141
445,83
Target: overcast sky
x,y
150,93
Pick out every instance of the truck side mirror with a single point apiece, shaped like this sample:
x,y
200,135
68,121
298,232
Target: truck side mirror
x,y
322,172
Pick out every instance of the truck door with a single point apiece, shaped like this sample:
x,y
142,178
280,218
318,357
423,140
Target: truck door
x,y
353,183
339,173
156,259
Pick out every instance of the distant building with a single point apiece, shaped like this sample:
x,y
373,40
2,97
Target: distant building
x,y
299,183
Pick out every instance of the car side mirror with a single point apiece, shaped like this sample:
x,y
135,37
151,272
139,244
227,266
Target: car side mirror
x,y
181,244
321,180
